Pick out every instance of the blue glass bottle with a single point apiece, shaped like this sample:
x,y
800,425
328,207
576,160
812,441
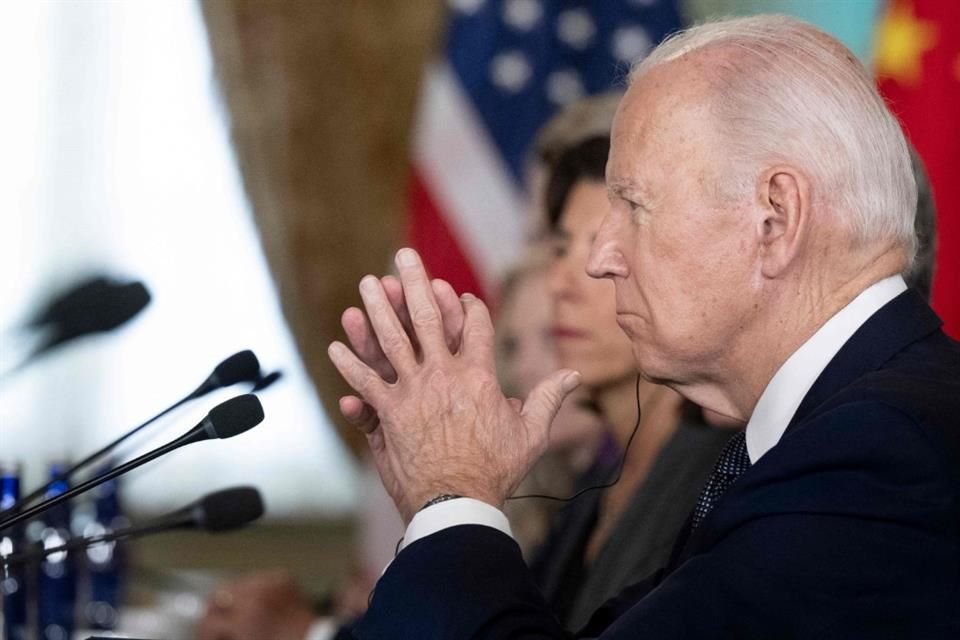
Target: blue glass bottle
x,y
105,562
13,583
57,580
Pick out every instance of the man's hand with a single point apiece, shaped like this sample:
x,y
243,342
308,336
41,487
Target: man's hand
x,y
442,424
364,342
263,605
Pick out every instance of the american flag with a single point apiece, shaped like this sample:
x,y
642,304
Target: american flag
x,y
508,65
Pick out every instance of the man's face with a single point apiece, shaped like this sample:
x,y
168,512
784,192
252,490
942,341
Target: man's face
x,y
680,250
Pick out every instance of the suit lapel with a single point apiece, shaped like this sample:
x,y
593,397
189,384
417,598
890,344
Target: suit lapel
x,y
897,324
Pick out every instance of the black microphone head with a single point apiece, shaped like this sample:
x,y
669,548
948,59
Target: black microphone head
x,y
227,509
242,366
233,417
94,306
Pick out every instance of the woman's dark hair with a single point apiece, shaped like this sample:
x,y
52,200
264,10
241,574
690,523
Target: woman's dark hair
x,y
584,160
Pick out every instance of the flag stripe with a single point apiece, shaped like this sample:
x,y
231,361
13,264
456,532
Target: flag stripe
x,y
439,246
467,178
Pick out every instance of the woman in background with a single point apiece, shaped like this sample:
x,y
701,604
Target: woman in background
x,y
526,354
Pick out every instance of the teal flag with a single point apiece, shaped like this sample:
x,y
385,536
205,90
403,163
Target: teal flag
x,y
851,21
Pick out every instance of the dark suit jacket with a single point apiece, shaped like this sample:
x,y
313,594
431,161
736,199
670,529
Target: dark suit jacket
x,y
848,528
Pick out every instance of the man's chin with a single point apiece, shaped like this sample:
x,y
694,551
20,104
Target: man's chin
x,y
653,371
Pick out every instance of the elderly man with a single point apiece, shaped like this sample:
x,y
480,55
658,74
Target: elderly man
x,y
761,209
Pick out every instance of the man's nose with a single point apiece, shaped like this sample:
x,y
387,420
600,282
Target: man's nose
x,y
606,255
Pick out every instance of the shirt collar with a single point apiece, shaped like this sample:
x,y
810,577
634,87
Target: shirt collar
x,y
783,394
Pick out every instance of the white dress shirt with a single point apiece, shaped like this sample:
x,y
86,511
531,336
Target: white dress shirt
x,y
322,629
786,390
775,408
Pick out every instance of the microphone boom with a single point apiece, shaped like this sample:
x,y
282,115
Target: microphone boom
x,y
220,511
226,420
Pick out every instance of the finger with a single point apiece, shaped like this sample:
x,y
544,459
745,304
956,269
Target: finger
x,y
358,375
394,290
421,305
544,401
364,343
359,414
477,342
451,309
376,441
390,334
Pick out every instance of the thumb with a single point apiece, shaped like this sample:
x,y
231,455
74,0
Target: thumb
x,y
545,399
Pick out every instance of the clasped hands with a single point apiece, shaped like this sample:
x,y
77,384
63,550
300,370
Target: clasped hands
x,y
422,365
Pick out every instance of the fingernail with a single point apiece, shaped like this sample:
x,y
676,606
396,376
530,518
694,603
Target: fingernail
x,y
335,348
407,258
467,297
571,382
368,284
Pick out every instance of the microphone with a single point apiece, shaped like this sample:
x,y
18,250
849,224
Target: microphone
x,y
96,305
226,420
216,512
242,366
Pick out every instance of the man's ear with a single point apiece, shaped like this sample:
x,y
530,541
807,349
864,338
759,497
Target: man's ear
x,y
785,199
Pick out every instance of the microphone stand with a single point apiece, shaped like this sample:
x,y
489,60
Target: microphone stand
x,y
39,552
89,484
199,392
69,473
226,420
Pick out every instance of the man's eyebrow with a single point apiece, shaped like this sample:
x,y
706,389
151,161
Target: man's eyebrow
x,y
622,187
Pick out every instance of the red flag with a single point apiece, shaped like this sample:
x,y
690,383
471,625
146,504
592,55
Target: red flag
x,y
917,61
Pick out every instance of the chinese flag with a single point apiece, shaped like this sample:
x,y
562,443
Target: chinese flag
x,y
917,60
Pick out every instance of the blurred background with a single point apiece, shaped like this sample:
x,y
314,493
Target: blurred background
x,y
249,161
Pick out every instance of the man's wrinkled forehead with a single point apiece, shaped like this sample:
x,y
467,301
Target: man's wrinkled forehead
x,y
662,112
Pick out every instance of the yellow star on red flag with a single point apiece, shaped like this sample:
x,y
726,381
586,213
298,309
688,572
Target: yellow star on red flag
x,y
901,41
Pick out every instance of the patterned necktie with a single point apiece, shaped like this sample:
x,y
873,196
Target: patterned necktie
x,y
732,462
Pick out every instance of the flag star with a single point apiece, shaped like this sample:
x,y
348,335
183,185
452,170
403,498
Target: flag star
x,y
902,40
575,28
468,7
631,43
522,15
564,86
510,71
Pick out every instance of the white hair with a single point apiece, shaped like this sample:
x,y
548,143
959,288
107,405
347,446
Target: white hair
x,y
792,94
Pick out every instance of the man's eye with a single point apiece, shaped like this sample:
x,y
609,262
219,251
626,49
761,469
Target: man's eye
x,y
638,212
558,250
